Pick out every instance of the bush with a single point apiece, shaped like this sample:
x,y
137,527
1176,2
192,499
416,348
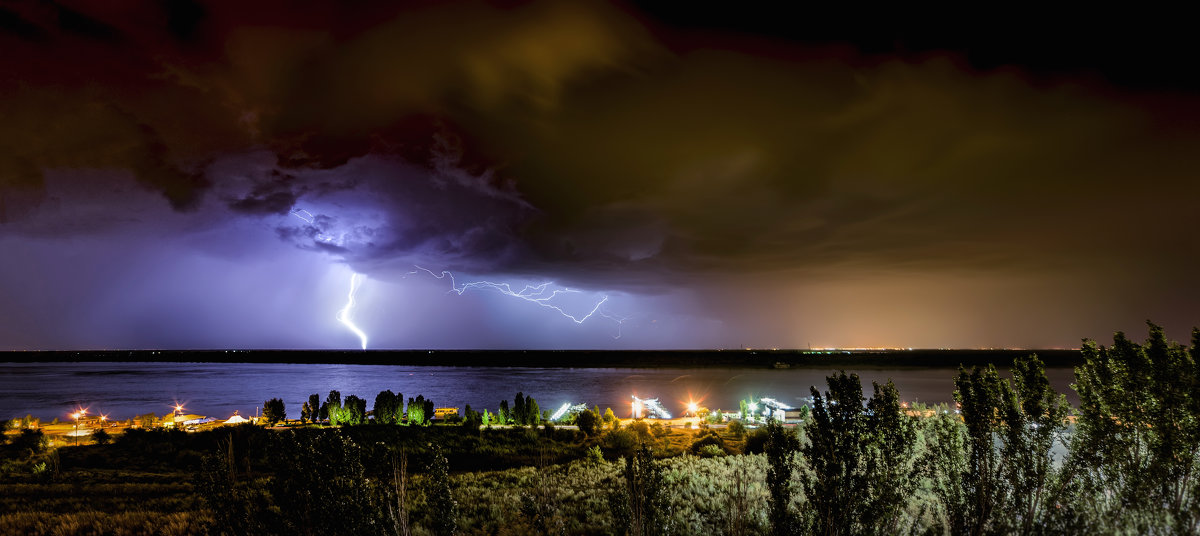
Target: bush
x,y
756,442
737,429
587,422
100,437
621,442
594,455
31,442
705,440
274,411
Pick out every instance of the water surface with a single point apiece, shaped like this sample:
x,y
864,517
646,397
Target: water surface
x,y
126,389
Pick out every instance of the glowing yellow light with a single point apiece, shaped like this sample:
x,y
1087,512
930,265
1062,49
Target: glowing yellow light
x,y
693,407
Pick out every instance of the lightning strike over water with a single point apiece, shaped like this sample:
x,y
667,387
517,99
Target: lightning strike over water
x,y
343,316
538,294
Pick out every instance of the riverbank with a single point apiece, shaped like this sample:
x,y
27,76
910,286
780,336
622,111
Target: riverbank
x,y
737,358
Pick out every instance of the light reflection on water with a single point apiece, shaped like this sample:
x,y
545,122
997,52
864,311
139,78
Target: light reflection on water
x,y
123,390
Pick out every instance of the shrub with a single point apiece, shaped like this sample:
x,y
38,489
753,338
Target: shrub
x,y
707,439
621,442
737,429
586,421
710,451
100,437
274,411
756,442
594,455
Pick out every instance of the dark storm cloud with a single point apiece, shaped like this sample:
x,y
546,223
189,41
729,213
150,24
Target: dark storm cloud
x,y
746,158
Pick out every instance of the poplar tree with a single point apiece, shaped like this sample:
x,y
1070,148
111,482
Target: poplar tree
x,y
781,449
1136,446
385,407
314,408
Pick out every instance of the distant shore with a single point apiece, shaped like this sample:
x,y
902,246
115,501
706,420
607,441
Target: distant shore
x,y
569,358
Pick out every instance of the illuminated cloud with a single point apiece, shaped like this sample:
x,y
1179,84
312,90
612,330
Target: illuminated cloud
x,y
727,179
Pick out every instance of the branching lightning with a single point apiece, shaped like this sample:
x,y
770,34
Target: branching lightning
x,y
539,294
343,316
304,215
308,218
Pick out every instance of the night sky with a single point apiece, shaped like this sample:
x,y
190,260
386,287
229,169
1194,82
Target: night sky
x,y
211,175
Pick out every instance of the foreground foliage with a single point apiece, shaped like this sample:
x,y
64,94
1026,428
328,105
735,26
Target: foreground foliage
x,y
1010,461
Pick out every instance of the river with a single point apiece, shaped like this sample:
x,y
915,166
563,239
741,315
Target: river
x,y
125,389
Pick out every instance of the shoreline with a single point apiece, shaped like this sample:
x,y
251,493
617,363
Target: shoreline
x,y
916,358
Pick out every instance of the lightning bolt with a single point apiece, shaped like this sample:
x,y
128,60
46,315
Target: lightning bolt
x,y
539,294
304,215
309,219
343,316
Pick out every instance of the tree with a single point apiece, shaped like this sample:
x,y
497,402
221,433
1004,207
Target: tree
x,y
443,508
744,409
610,418
333,408
355,410
995,473
640,507
385,407
416,411
30,442
504,415
587,421
101,437
892,466
1033,423
314,408
1136,447
427,404
273,411
533,414
321,485
486,419
781,448
862,459
983,396
945,463
837,481
520,415
306,413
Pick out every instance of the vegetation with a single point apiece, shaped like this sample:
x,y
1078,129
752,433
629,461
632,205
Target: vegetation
x,y
1135,455
274,411
1009,461
388,408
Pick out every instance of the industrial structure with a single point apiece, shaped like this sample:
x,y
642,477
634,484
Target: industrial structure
x,y
649,407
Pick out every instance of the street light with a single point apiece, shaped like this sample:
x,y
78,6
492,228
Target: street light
x,y
76,417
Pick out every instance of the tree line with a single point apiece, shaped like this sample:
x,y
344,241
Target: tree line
x,y
389,408
1011,461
